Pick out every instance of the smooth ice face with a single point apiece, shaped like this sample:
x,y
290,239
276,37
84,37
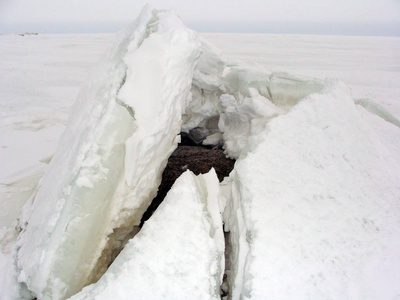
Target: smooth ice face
x,y
179,253
109,161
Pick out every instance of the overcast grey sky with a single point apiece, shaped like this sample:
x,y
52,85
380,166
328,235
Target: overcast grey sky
x,y
204,15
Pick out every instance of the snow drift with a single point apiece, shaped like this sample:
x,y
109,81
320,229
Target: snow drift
x,y
314,211
312,205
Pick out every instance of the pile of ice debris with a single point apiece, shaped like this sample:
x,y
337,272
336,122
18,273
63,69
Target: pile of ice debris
x,y
311,207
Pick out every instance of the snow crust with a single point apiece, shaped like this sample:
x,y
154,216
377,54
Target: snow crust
x,y
312,205
179,253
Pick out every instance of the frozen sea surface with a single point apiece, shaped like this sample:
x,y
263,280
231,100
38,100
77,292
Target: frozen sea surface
x,y
41,76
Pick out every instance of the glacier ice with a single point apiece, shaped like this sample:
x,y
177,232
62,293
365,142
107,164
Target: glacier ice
x,y
311,205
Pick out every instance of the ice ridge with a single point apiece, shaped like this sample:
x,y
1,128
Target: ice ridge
x,y
311,206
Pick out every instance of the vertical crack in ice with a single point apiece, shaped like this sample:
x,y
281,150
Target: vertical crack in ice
x,y
119,102
226,291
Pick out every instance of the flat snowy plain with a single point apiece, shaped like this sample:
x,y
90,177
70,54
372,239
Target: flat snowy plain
x,y
41,76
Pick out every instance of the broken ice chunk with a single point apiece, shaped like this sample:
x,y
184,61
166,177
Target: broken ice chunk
x,y
178,254
214,140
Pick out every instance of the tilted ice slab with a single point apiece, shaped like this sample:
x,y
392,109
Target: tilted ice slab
x,y
179,253
109,161
308,196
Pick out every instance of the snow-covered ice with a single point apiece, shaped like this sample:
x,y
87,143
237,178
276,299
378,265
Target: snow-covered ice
x,y
179,253
312,204
318,196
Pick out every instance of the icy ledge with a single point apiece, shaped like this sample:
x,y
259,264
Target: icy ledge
x,y
311,206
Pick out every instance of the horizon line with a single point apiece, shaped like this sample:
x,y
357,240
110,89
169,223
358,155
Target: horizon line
x,y
272,27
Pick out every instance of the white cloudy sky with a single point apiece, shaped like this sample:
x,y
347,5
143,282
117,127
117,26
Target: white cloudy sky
x,y
206,14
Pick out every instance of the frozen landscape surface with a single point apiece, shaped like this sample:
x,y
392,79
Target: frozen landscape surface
x,y
179,254
42,75
312,205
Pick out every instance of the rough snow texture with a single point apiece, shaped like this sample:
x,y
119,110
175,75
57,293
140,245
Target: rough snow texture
x,y
315,211
179,253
